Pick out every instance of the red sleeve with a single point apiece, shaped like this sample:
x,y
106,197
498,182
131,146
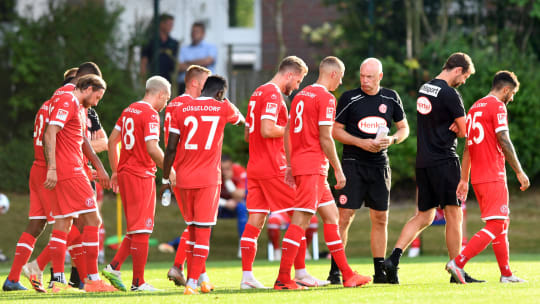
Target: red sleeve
x,y
62,111
327,110
175,121
151,126
500,119
233,116
271,105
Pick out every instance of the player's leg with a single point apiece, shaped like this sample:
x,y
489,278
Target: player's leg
x,y
454,219
78,257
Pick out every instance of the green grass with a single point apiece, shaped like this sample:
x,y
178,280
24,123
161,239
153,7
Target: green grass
x,y
423,280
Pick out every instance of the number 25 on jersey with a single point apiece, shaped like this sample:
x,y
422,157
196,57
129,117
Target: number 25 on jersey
x,y
472,125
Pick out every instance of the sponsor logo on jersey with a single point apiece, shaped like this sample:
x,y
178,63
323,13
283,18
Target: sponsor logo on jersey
x,y
66,104
329,112
370,124
271,108
132,110
155,117
149,223
62,115
501,117
343,199
257,93
274,96
430,90
383,108
89,202
154,127
423,105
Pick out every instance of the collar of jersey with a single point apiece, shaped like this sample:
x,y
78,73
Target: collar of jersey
x,y
275,85
145,102
186,94
203,98
319,85
494,97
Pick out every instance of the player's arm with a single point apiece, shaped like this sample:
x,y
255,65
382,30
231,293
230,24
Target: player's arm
x,y
99,141
289,179
114,139
402,131
246,134
102,175
503,137
459,127
329,149
170,154
155,152
269,129
49,151
340,134
463,186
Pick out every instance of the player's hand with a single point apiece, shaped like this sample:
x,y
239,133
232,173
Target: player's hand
x,y
462,190
103,179
523,180
341,180
50,181
164,187
172,178
371,145
289,178
384,142
94,174
454,127
114,183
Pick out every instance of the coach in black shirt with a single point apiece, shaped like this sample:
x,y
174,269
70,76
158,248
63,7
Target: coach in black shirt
x,y
359,114
441,119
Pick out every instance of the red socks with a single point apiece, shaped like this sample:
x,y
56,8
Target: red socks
x,y
57,248
334,244
24,249
480,241
76,251
122,253
501,249
291,242
180,257
248,246
300,259
200,252
43,258
90,244
139,254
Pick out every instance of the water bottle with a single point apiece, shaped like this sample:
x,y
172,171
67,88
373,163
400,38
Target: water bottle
x,y
382,131
166,198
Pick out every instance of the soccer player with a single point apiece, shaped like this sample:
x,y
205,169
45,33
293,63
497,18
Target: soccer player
x,y
64,146
441,118
359,115
195,78
197,133
134,174
488,145
267,190
309,147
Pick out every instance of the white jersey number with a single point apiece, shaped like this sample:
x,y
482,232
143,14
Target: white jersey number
x,y
475,125
192,120
38,130
252,116
298,122
128,126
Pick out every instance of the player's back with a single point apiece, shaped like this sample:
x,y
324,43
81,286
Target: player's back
x,y
312,107
266,155
200,123
169,112
138,124
485,119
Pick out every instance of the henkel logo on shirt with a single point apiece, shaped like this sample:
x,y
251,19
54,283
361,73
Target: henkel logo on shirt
x,y
423,105
62,115
501,117
370,124
271,108
154,127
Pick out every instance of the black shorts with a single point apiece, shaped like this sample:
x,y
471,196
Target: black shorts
x,y
437,185
365,184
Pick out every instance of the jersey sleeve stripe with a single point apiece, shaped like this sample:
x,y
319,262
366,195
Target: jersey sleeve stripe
x,y
117,127
175,131
500,129
56,123
325,123
239,119
272,118
151,137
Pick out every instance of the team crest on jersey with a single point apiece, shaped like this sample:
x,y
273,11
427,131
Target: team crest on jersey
x,y
383,108
155,117
501,117
343,199
62,115
66,104
504,209
370,124
89,202
274,96
423,105
271,108
149,223
154,127
329,112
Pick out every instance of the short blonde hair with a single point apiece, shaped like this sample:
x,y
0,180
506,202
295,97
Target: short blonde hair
x,y
332,61
91,80
293,63
156,84
194,71
70,73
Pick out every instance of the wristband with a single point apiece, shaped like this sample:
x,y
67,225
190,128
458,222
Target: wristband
x,y
395,139
165,181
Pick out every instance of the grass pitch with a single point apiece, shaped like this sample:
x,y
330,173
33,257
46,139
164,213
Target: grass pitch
x,y
423,280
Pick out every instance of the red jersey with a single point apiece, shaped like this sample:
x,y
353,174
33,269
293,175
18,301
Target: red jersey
x,y
239,176
485,119
42,118
312,107
68,114
169,111
266,155
200,123
138,124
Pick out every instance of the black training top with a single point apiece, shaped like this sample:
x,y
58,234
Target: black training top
x,y
168,52
438,105
362,114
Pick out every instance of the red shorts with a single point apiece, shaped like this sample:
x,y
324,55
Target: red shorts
x,y
40,197
312,192
493,200
139,201
270,194
200,205
75,196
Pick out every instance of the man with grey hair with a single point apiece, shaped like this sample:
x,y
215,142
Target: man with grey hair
x,y
133,175
363,119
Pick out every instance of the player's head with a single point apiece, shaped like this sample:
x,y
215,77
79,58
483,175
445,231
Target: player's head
x,y
215,87
158,92
371,74
90,89
198,29
88,68
506,84
460,67
196,76
69,75
331,69
292,69
166,23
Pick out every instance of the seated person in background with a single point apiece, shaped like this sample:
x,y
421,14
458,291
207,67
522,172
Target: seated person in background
x,y
281,221
232,201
